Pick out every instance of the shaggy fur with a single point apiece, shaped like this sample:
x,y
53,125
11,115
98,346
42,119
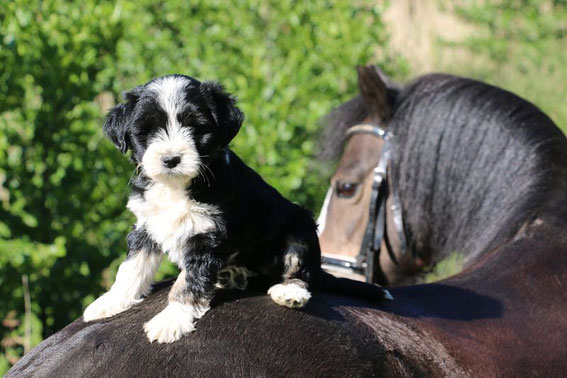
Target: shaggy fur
x,y
196,201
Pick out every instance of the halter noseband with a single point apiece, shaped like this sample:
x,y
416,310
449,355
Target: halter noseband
x,y
367,261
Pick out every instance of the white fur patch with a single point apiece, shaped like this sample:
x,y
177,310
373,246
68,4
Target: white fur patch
x,y
133,281
292,261
170,217
169,92
176,320
289,295
175,140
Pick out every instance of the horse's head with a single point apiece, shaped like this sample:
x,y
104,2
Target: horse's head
x,y
345,213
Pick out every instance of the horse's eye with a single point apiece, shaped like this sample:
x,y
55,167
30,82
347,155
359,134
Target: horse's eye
x,y
346,189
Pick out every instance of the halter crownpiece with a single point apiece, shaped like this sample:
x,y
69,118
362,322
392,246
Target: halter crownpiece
x,y
367,128
367,261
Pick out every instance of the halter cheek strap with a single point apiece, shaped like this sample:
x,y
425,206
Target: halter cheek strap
x,y
367,261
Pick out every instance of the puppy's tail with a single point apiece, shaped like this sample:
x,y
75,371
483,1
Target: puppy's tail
x,y
352,288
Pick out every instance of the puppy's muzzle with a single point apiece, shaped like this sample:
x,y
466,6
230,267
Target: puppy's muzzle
x,y
171,161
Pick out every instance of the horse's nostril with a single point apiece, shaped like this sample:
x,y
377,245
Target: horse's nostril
x,y
171,161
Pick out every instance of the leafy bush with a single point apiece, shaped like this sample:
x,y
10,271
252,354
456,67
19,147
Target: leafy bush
x,y
522,46
63,64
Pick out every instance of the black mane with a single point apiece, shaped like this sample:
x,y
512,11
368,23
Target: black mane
x,y
449,130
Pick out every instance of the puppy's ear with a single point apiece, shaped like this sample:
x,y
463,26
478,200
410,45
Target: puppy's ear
x,y
117,121
223,109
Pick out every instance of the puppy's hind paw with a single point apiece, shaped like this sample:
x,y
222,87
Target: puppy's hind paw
x,y
290,295
170,324
233,277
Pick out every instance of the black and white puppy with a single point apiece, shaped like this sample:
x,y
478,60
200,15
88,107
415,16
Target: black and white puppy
x,y
197,202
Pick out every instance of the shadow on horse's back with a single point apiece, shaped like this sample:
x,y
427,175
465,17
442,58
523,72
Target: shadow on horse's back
x,y
479,171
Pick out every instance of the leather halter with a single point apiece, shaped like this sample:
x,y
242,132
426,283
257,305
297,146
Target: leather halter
x,y
367,261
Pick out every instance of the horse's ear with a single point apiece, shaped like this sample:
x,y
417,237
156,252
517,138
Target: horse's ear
x,y
223,108
376,89
117,121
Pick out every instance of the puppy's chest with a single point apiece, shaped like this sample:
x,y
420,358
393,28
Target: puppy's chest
x,y
170,217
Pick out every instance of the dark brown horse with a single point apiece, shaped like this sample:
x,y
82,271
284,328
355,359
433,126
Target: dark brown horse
x,y
478,171
480,178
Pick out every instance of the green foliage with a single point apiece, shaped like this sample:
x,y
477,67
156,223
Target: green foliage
x,y
61,216
63,64
37,259
523,45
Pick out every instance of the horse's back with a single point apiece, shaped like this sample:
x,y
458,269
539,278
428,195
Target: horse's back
x,y
242,335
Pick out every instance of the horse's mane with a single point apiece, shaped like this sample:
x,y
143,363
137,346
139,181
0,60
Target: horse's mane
x,y
470,161
473,163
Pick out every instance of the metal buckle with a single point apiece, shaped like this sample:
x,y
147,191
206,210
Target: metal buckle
x,y
343,266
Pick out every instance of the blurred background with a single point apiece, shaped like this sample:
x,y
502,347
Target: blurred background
x,y
63,64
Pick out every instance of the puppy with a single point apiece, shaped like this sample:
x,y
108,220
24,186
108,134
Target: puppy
x,y
199,204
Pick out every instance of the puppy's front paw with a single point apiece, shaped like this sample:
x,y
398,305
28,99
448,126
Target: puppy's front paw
x,y
107,305
289,295
170,324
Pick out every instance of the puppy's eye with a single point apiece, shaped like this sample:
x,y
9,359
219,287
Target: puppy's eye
x,y
151,121
346,189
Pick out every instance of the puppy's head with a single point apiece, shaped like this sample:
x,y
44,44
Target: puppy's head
x,y
174,125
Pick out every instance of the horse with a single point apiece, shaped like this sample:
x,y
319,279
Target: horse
x,y
471,210
477,170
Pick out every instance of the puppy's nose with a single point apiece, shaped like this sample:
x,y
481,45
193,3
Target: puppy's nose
x,y
171,161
